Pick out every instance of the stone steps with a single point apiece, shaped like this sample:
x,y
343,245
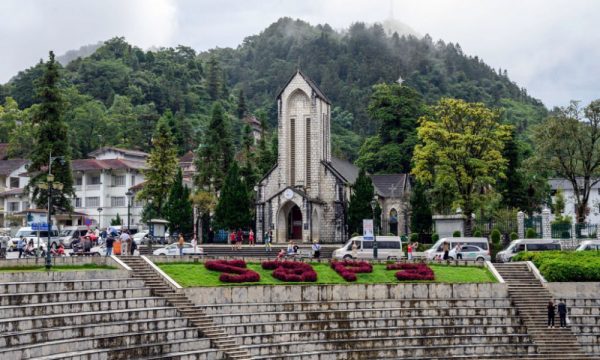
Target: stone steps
x,y
68,285
72,295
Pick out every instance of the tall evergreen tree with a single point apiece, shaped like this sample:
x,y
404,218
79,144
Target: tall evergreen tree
x,y
161,170
214,79
232,211
360,203
512,186
51,139
420,216
178,209
242,109
215,154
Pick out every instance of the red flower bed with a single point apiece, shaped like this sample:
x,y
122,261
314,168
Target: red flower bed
x,y
412,271
292,271
233,271
349,268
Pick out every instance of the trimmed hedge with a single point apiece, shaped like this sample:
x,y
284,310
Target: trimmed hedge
x,y
349,268
411,271
233,271
562,266
292,271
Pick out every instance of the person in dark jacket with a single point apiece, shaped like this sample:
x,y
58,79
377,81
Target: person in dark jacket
x,y
110,240
562,313
551,310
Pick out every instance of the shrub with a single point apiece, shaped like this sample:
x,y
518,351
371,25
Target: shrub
x,y
414,237
435,237
513,236
530,234
412,271
495,236
477,233
349,268
291,271
563,266
456,233
233,271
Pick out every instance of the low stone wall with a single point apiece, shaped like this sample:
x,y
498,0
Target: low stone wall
x,y
574,290
37,276
63,260
292,293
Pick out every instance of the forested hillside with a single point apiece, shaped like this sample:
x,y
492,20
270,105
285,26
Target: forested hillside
x,y
116,95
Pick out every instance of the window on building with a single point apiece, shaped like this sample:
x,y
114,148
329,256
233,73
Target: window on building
x,y
308,159
92,202
14,182
13,206
95,180
118,180
117,201
79,181
78,202
292,152
132,180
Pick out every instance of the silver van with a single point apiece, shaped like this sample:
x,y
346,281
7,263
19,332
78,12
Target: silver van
x,y
388,247
516,246
436,250
589,245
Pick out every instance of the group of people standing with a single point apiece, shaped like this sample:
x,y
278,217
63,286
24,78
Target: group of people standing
x,y
120,244
236,239
561,308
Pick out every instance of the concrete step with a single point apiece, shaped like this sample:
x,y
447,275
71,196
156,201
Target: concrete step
x,y
72,295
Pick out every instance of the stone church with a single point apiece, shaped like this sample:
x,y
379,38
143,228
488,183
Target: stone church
x,y
304,197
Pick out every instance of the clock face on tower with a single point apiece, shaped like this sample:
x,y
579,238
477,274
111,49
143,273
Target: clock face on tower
x,y
288,194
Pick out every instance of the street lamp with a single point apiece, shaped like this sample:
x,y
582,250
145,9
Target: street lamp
x,y
129,195
50,185
374,206
99,212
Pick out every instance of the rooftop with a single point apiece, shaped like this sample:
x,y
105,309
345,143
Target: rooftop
x,y
107,164
310,83
389,185
135,153
8,166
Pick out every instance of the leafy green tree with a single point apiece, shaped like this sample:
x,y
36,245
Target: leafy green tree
x,y
160,174
178,209
10,116
124,123
215,154
568,145
420,215
51,140
559,202
116,221
461,143
359,207
232,209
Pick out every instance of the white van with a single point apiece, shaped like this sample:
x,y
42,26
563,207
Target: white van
x,y
589,245
436,250
30,234
388,247
516,246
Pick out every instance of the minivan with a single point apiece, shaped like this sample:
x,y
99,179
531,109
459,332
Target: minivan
x,y
30,234
516,246
388,247
436,250
70,233
589,245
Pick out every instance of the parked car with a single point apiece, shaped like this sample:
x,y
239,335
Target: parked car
x,y
140,237
589,245
30,234
99,250
173,250
388,247
436,250
470,252
70,233
516,246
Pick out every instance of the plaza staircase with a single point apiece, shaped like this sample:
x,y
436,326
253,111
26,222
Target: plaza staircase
x,y
192,313
531,298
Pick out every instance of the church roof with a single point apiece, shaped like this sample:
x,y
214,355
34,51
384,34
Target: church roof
x,y
310,83
344,168
390,185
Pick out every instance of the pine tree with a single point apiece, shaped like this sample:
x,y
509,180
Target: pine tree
x,y
178,209
214,79
513,187
420,218
116,221
51,139
232,210
242,109
160,174
215,154
360,203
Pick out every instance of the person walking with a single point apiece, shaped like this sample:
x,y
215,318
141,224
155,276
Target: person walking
x,y
21,246
232,239
316,248
550,309
354,250
251,238
132,246
562,313
409,251
446,249
267,241
239,239
180,244
109,245
124,242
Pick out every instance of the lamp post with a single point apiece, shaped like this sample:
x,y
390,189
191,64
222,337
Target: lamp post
x,y
374,206
129,195
99,212
49,185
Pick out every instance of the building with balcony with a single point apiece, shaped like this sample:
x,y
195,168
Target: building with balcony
x,y
12,196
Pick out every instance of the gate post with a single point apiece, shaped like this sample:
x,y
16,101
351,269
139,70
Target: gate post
x,y
521,224
546,229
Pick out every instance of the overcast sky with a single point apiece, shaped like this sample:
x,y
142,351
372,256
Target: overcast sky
x,y
550,47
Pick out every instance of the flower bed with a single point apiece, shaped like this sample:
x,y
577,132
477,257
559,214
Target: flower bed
x,y
233,271
412,271
349,268
291,271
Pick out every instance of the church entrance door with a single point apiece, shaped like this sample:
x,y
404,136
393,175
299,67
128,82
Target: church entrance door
x,y
294,224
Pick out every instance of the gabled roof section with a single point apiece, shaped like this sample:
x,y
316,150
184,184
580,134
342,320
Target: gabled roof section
x,y
188,157
102,150
8,166
345,169
108,164
389,185
310,83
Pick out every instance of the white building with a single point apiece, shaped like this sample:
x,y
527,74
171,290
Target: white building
x,y
593,216
12,197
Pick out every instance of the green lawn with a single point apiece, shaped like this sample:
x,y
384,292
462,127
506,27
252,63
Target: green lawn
x,y
57,268
195,274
